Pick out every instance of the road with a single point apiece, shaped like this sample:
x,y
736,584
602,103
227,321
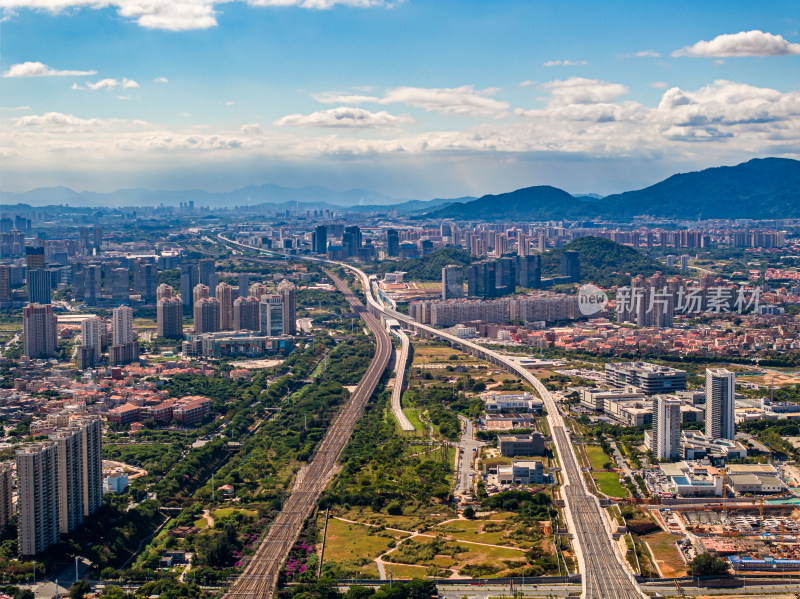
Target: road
x,y
261,573
468,447
399,381
604,576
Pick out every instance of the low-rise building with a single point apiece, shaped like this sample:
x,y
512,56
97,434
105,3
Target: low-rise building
x,y
647,377
755,478
595,399
525,445
695,445
696,479
125,414
511,402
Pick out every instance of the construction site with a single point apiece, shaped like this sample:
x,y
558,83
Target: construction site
x,y
757,537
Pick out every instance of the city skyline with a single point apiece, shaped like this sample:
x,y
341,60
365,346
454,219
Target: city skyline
x,y
408,99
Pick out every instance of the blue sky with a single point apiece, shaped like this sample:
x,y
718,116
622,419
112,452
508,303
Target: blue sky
x,y
413,99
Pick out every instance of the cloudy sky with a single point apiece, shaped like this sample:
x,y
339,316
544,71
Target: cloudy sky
x,y
414,98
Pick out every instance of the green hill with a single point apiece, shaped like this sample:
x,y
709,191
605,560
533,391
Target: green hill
x,y
604,262
760,188
428,268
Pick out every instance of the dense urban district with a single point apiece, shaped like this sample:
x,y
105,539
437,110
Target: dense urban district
x,y
316,402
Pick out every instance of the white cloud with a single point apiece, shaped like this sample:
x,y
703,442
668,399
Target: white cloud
x,y
344,117
125,83
527,83
733,121
160,80
39,69
659,85
744,43
461,101
250,129
578,90
564,63
229,103
14,108
178,15
342,98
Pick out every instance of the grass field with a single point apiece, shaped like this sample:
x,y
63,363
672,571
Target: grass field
x,y
403,571
662,545
229,511
597,456
346,541
608,482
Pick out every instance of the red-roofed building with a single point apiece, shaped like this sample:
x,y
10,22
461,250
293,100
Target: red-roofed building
x,y
125,414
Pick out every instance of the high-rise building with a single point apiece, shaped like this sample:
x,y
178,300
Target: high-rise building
x,y
351,240
452,282
6,507
272,315
92,335
122,325
206,315
246,314
225,297
169,317
288,293
720,403
481,280
145,280
92,458
506,275
319,240
200,291
98,238
39,286
190,278
5,283
92,283
207,271
118,283
571,265
70,478
685,262
523,245
666,438
392,242
257,290
164,291
37,480
40,331
124,353
529,271
244,283
34,257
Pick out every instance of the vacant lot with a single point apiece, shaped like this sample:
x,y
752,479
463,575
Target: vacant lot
x,y
662,546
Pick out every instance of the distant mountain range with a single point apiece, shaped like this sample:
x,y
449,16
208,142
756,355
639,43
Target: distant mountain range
x,y
760,188
253,195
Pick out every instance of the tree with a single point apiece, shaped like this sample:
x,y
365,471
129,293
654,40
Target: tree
x,y
79,589
469,513
705,564
608,466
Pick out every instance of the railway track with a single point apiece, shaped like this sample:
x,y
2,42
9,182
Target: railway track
x,y
260,576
